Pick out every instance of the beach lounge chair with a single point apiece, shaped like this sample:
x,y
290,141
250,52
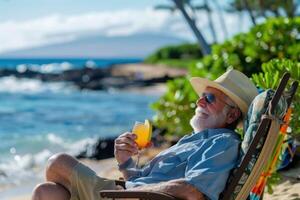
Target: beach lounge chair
x,y
262,126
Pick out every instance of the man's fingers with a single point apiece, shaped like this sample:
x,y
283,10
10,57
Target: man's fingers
x,y
125,151
127,142
124,147
127,138
128,135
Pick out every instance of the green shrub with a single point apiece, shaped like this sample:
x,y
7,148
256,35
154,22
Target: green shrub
x,y
183,51
178,63
270,77
276,38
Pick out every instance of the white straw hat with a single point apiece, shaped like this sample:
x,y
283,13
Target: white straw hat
x,y
236,85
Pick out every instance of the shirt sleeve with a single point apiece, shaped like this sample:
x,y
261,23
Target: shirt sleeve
x,y
130,169
208,168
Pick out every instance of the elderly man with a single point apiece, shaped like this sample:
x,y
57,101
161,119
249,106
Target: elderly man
x,y
197,167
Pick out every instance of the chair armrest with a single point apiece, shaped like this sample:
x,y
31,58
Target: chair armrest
x,y
136,195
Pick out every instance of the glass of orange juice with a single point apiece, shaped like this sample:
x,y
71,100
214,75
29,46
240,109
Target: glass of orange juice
x,y
143,132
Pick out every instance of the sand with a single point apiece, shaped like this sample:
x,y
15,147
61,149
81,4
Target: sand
x,y
147,71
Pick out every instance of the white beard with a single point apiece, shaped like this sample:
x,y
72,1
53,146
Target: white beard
x,y
203,120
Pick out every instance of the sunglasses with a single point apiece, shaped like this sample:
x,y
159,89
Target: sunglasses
x,y
211,98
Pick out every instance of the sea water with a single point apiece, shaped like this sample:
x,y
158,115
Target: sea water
x,y
38,119
60,64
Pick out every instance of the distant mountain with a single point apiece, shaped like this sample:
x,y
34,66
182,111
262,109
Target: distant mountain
x,y
133,46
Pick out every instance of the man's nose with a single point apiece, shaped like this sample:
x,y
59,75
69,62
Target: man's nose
x,y
201,102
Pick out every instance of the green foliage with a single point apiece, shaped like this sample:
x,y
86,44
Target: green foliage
x,y
172,110
274,179
287,8
276,38
272,72
183,51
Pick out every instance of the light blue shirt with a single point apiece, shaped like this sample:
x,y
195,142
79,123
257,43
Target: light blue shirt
x,y
202,159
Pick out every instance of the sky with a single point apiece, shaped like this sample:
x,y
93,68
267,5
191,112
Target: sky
x,y
30,23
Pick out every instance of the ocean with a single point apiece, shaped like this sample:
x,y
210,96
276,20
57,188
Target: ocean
x,y
59,64
38,119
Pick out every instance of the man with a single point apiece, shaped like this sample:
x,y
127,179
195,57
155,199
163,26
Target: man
x,y
197,167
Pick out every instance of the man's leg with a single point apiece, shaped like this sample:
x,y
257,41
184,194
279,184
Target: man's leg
x,y
59,169
50,191
71,179
58,177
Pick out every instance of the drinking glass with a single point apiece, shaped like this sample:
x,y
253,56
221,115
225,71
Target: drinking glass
x,y
143,131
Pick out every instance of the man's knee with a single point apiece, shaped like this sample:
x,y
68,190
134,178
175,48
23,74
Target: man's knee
x,y
49,191
60,166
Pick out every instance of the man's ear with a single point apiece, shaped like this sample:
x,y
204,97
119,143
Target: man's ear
x,y
233,115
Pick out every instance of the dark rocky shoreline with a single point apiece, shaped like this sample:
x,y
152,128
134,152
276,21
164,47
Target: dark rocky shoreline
x,y
89,78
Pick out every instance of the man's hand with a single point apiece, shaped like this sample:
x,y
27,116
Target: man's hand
x,y
125,147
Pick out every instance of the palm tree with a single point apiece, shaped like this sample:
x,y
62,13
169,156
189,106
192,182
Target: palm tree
x,y
267,8
207,9
180,5
221,18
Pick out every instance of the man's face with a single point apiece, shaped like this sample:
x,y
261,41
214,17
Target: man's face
x,y
210,115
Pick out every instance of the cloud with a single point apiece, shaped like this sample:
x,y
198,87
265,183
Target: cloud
x,y
61,28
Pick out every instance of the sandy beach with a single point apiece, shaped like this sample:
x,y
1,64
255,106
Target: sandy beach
x,y
147,71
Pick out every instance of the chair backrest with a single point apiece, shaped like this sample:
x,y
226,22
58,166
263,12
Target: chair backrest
x,y
262,127
258,108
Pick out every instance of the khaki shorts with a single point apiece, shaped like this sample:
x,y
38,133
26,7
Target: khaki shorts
x,y
86,185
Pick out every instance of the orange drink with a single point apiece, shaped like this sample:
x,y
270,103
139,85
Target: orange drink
x,y
143,132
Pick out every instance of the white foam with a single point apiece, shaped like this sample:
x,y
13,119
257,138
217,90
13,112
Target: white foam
x,y
80,145
90,64
21,168
45,68
18,169
71,147
12,84
55,139
42,157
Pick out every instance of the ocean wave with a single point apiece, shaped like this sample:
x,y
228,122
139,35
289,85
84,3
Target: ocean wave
x,y
71,147
52,138
18,169
11,84
21,168
84,144
45,68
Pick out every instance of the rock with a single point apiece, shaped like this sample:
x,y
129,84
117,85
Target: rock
x,y
100,78
102,149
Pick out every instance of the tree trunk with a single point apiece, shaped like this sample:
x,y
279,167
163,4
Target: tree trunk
x,y
210,22
291,8
205,48
250,12
221,19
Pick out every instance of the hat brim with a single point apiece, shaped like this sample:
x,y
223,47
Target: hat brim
x,y
199,85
